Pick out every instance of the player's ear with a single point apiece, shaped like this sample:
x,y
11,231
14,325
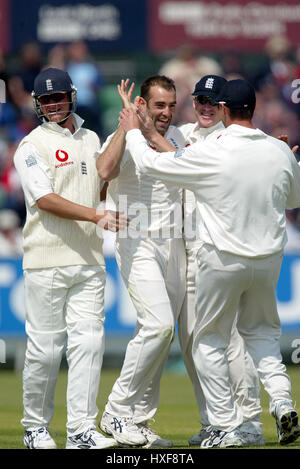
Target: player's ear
x,y
194,102
139,101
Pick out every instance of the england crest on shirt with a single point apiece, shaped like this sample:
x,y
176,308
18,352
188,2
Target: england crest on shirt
x,y
83,167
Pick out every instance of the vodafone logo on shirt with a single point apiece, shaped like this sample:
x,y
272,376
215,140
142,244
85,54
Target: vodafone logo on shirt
x,y
62,156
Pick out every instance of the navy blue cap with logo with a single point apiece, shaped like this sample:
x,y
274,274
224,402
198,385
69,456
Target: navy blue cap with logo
x,y
51,81
237,94
209,85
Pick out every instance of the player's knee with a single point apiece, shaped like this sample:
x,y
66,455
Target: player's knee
x,y
166,332
199,356
45,349
162,328
86,336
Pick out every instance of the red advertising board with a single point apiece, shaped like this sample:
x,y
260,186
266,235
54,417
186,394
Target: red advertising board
x,y
219,25
4,25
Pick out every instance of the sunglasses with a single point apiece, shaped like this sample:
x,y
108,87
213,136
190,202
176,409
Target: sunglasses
x,y
205,100
55,97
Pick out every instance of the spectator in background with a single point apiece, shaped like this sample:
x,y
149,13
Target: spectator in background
x,y
11,243
231,65
17,116
88,80
297,57
7,111
30,64
12,192
276,113
4,75
57,57
186,68
22,101
274,117
279,64
290,91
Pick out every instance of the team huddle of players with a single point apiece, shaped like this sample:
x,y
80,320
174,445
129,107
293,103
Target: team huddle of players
x,y
219,179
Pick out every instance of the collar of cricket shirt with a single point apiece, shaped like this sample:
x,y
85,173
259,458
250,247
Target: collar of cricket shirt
x,y
54,127
204,131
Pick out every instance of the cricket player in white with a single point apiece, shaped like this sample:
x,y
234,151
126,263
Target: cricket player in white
x,y
64,269
152,262
243,181
243,376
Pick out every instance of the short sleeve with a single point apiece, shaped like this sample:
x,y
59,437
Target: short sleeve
x,y
35,175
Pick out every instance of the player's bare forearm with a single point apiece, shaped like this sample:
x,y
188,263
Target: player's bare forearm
x,y
108,163
64,208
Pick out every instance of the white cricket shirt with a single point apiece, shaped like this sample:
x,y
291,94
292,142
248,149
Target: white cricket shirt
x,y
35,174
53,160
193,133
154,206
243,181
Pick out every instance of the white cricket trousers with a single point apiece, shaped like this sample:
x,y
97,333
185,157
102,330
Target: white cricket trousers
x,y
154,273
225,284
244,380
64,307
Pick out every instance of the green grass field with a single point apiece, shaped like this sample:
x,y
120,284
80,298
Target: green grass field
x,y
177,418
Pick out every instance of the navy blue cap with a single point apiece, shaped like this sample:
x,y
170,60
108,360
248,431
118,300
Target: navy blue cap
x,y
237,94
209,85
52,80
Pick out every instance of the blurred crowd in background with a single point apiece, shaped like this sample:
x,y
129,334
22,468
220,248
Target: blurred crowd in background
x,y
274,76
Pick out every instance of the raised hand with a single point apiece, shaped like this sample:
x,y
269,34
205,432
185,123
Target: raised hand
x,y
285,139
126,94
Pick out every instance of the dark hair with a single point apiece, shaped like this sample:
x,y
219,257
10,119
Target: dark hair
x,y
241,114
156,80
